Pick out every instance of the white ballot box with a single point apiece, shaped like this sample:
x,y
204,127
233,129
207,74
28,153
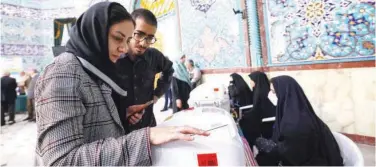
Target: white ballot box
x,y
224,146
210,95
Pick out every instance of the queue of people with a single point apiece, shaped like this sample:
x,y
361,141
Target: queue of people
x,y
298,137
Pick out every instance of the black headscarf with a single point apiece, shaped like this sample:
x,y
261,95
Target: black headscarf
x,y
303,139
89,37
260,94
243,93
251,122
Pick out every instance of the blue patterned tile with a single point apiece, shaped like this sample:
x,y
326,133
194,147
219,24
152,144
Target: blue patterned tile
x,y
214,38
34,32
23,50
36,62
30,13
40,4
316,31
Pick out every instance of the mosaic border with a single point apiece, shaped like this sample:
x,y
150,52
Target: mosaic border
x,y
23,50
31,13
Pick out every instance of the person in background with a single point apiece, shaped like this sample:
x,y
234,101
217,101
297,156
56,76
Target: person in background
x,y
77,120
168,100
24,82
138,69
8,97
194,73
251,123
181,85
239,92
300,137
30,96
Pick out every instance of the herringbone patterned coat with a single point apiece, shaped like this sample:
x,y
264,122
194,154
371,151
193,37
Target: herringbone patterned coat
x,y
78,123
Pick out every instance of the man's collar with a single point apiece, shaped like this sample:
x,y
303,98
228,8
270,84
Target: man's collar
x,y
137,57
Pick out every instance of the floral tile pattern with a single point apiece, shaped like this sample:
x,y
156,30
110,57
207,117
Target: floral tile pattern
x,y
319,31
211,34
27,33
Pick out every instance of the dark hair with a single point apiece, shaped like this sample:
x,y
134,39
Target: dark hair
x,y
146,15
191,62
117,14
182,57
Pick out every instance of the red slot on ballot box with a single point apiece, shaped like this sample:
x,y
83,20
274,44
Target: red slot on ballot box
x,y
207,159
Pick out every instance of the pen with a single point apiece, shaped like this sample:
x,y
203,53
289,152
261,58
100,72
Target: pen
x,y
213,128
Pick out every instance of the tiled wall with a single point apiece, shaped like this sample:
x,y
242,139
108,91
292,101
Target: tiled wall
x,y
28,33
206,31
211,34
27,28
311,31
343,98
40,4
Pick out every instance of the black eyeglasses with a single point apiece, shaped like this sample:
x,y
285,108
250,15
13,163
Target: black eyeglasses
x,y
139,36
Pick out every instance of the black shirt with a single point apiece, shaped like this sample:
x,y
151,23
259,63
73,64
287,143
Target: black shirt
x,y
137,77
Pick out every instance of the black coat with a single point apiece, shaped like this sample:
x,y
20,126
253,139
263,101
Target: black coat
x,y
301,138
8,89
180,90
251,122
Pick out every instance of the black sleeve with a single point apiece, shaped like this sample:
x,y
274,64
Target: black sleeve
x,y
13,85
251,123
266,145
163,65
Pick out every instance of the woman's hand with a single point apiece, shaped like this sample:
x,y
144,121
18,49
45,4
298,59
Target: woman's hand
x,y
161,135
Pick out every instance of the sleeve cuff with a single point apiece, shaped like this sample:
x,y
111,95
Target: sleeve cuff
x,y
148,143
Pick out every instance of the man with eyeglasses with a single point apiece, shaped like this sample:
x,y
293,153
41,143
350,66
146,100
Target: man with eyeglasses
x,y
138,69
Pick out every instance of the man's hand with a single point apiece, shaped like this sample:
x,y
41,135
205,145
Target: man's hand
x,y
134,113
179,104
133,119
131,110
155,99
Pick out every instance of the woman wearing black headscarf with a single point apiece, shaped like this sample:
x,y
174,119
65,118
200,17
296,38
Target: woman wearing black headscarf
x,y
180,84
239,91
77,120
251,122
300,138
